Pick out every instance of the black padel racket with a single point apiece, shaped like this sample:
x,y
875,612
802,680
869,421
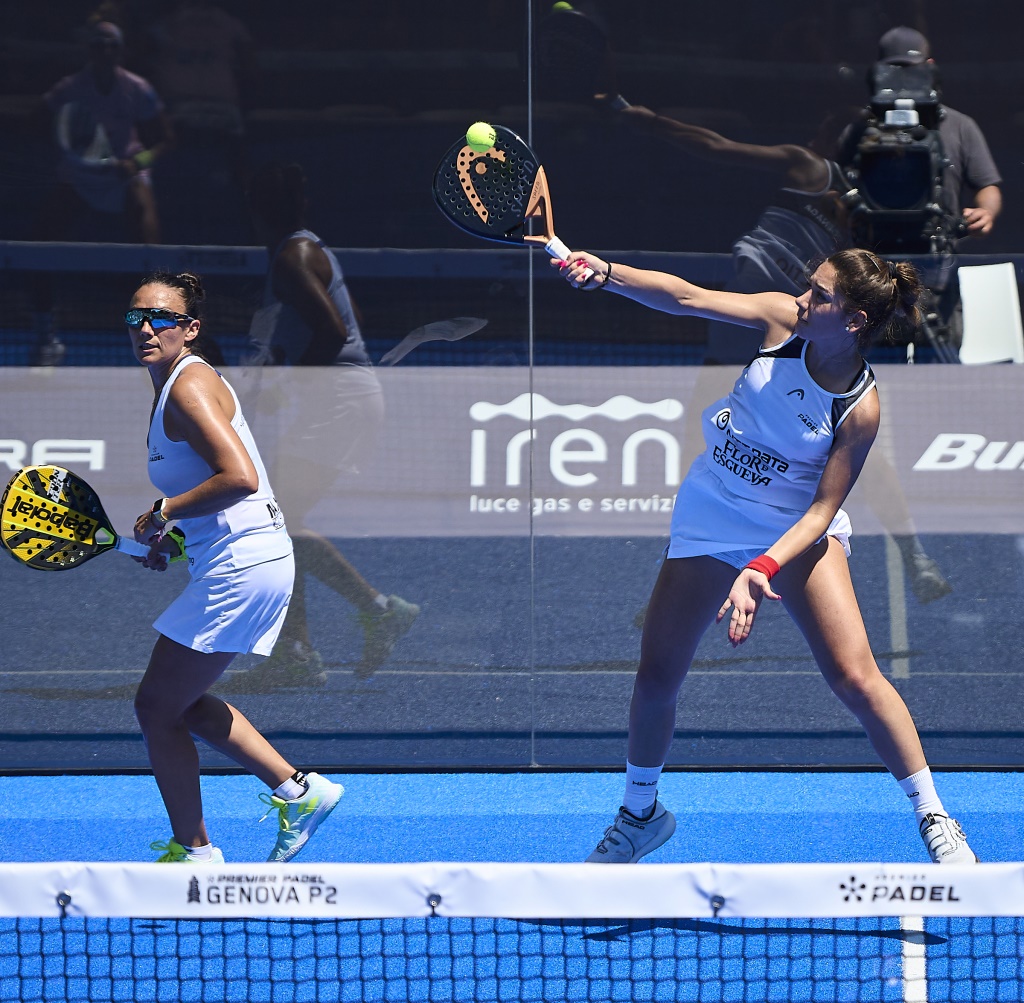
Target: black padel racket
x,y
499,194
51,520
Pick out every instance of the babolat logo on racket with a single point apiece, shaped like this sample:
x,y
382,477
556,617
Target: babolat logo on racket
x,y
29,513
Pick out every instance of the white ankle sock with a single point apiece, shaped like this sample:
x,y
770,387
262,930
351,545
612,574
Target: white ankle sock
x,y
294,787
641,788
382,601
200,853
920,788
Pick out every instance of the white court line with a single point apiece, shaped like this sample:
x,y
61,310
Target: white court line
x,y
915,975
899,668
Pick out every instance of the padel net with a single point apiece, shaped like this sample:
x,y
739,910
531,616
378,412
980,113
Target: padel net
x,y
431,931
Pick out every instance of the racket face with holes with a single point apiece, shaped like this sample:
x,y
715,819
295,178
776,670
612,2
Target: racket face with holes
x,y
489,194
51,520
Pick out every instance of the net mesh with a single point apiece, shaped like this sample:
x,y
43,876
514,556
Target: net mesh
x,y
441,958
394,936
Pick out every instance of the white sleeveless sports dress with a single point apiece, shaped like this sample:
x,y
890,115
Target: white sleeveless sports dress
x,y
240,558
767,445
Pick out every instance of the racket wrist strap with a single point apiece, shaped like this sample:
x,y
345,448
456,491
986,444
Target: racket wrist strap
x,y
177,537
607,275
768,566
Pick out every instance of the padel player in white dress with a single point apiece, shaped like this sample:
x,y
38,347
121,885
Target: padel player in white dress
x,y
203,459
760,509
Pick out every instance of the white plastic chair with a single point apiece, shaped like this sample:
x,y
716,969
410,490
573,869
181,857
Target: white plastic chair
x,y
991,309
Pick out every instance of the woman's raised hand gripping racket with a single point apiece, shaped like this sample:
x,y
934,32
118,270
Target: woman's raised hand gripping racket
x,y
500,193
51,520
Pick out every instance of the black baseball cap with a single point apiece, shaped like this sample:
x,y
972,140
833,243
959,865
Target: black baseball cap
x,y
903,47
106,33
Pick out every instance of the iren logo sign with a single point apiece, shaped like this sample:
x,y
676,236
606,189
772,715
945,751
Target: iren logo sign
x,y
590,454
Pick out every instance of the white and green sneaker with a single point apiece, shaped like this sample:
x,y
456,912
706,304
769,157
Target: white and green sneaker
x,y
299,818
172,852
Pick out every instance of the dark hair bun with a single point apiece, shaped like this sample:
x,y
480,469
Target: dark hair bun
x,y
194,284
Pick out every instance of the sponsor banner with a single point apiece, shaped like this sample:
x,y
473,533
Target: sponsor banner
x,y
592,451
526,891
867,889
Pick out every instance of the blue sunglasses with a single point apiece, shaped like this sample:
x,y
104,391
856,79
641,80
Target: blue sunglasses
x,y
159,320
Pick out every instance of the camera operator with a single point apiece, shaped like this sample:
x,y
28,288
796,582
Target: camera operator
x,y
967,197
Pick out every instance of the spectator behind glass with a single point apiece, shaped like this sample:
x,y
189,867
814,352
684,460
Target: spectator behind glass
x,y
202,64
110,128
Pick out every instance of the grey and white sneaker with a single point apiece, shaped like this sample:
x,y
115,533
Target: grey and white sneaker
x,y
382,631
946,841
629,838
927,581
291,665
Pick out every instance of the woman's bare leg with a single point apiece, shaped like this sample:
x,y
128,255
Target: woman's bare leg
x,y
172,705
686,597
818,592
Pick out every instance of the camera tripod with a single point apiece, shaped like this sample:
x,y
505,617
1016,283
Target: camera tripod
x,y
935,329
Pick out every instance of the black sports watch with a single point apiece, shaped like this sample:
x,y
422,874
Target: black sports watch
x,y
159,519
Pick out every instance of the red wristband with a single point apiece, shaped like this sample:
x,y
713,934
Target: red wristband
x,y
768,566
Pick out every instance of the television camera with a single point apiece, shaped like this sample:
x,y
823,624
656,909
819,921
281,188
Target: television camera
x,y
895,202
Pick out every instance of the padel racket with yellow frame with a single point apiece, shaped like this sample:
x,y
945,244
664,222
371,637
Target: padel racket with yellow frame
x,y
52,520
499,194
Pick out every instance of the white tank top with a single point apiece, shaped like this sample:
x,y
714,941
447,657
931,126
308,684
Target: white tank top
x,y
248,532
278,336
767,446
769,440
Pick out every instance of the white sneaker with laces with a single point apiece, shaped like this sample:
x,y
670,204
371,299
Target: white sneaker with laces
x,y
946,841
629,838
298,819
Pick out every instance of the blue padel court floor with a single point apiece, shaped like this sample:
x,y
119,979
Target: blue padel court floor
x,y
521,817
553,817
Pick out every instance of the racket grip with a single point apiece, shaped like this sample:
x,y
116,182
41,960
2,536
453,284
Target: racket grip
x,y
130,547
557,249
